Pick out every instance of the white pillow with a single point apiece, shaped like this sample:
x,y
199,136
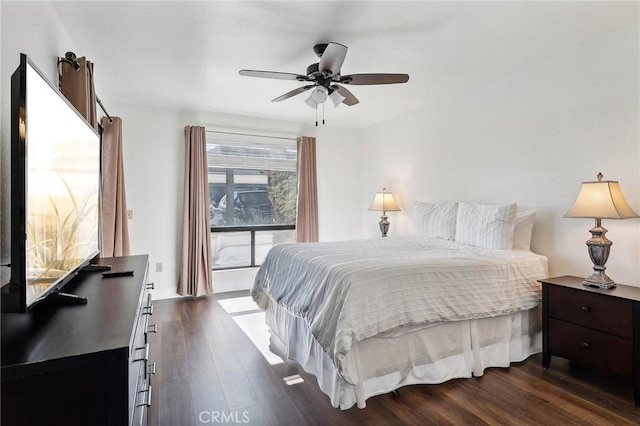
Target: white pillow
x,y
435,220
486,225
523,229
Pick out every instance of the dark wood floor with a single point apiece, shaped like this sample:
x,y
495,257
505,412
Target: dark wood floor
x,y
210,372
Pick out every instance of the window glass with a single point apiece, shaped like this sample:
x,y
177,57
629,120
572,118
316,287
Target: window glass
x,y
251,183
267,239
230,249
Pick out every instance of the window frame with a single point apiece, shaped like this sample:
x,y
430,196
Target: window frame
x,y
253,139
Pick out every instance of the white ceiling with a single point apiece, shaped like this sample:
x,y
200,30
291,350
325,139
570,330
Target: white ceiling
x,y
187,54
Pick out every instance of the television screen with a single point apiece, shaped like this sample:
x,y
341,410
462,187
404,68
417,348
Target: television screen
x,y
56,154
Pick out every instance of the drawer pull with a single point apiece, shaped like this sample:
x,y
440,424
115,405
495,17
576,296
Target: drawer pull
x,y
151,368
586,309
145,357
153,328
150,286
586,345
148,401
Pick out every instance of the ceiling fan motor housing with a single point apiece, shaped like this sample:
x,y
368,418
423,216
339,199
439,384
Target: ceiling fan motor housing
x,y
319,49
313,69
314,74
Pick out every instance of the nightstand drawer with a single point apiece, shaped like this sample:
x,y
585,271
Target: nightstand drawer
x,y
610,353
608,314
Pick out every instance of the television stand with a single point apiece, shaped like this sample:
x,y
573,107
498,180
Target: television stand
x,y
83,365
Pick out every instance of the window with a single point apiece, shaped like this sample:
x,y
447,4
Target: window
x,y
253,190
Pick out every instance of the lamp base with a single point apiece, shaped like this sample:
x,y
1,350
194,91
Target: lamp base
x,y
599,279
384,224
599,247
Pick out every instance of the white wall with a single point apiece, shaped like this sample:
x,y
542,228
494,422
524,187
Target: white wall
x,y
153,139
34,29
529,136
339,183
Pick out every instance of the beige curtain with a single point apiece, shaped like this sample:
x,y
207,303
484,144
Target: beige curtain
x,y
196,277
307,220
115,230
78,88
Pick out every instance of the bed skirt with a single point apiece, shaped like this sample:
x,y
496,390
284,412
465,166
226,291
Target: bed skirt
x,y
416,355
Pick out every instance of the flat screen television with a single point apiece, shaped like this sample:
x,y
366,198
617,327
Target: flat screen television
x,y
55,190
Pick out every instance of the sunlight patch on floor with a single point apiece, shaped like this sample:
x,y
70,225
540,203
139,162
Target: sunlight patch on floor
x,y
293,380
251,321
238,304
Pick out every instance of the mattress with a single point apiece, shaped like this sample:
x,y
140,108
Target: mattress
x,y
347,292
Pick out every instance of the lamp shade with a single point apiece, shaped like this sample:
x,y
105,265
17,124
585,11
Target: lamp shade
x,y
319,94
601,199
383,201
336,98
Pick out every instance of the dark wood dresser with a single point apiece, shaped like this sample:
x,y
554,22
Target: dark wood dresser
x,y
593,326
84,364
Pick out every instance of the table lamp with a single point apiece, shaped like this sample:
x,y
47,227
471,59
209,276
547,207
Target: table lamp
x,y
600,200
383,201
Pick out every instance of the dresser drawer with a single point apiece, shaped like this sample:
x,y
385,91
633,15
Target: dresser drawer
x,y
138,355
609,353
142,398
140,367
594,310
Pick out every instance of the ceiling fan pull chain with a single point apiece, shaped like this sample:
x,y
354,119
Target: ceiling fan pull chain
x,y
323,113
316,115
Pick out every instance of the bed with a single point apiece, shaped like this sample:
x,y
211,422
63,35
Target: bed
x,y
367,317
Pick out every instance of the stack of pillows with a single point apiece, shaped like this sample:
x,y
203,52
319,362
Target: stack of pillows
x,y
492,226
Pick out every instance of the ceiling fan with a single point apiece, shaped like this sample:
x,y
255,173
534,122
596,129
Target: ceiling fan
x,y
325,80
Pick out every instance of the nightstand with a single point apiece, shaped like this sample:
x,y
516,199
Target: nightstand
x,y
593,326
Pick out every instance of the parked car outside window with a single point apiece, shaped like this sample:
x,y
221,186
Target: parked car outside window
x,y
255,207
249,208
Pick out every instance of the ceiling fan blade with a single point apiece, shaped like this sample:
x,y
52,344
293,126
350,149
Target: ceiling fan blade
x,y
363,79
349,98
332,58
273,74
293,93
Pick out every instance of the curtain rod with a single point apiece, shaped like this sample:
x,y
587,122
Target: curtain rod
x,y
253,135
104,110
72,59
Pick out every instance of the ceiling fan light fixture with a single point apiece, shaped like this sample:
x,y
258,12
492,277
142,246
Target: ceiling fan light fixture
x,y
311,102
336,98
319,94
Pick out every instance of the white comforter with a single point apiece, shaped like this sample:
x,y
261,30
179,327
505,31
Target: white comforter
x,y
349,291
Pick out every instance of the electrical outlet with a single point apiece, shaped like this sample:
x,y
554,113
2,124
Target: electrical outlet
x,y
159,267
129,214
